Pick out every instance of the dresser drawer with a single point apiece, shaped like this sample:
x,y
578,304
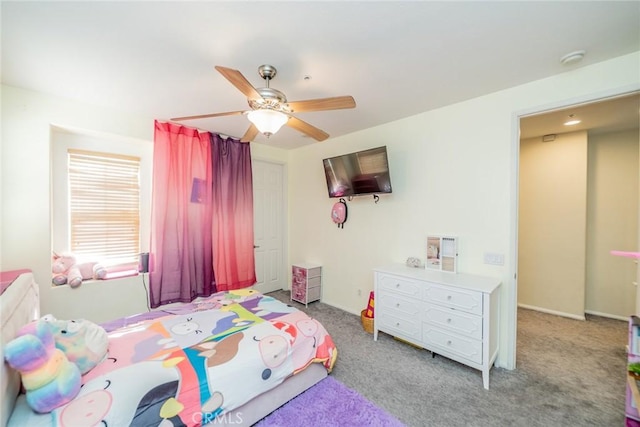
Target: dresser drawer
x,y
453,320
396,325
398,305
399,285
460,299
468,348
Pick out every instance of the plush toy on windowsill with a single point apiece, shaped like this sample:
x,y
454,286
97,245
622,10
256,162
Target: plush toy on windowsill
x,y
66,270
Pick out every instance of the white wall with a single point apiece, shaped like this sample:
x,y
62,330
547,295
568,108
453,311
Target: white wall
x,y
452,171
612,223
570,271
552,234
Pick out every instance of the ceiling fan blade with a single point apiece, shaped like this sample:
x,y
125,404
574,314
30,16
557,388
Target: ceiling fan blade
x,y
250,134
206,116
306,128
239,81
335,103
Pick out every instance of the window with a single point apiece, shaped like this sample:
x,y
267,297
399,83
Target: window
x,y
100,195
104,206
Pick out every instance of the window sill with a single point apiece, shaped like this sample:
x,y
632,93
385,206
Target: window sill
x,y
112,278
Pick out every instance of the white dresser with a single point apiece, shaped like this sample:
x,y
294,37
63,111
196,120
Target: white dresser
x,y
453,315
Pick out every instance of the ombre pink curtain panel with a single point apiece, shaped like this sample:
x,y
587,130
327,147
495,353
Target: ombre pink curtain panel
x,y
202,215
233,254
180,261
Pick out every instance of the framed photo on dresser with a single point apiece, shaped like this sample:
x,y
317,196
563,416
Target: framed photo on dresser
x,y
442,253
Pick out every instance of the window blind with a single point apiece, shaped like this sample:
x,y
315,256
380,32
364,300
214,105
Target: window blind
x,y
104,206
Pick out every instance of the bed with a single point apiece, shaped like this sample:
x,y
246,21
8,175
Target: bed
x,y
231,358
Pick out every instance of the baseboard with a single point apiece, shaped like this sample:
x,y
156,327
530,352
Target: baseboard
x,y
607,315
557,313
338,306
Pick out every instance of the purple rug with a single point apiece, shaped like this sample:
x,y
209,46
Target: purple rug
x,y
329,403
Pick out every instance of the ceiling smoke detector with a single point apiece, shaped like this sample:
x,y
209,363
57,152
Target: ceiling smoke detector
x,y
573,57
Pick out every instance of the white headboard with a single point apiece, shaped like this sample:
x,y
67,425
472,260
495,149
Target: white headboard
x,y
19,305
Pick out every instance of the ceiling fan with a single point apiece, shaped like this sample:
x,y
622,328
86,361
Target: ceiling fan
x,y
270,109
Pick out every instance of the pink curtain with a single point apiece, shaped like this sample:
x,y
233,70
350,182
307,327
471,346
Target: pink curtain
x,y
233,254
180,262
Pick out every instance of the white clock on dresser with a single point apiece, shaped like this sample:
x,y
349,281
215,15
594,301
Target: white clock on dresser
x,y
449,314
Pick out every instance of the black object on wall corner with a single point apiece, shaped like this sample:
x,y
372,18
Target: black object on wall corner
x,y
144,263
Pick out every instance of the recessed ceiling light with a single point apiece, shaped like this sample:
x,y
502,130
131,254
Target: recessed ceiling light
x,y
572,121
573,57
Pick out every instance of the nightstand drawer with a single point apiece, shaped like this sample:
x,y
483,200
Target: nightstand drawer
x,y
314,281
313,294
436,338
453,320
314,272
399,285
460,299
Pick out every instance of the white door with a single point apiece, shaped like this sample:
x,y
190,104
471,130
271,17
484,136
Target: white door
x,y
269,219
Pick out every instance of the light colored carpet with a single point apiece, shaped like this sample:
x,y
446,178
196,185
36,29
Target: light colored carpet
x,y
570,373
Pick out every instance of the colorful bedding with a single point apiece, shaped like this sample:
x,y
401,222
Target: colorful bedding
x,y
195,364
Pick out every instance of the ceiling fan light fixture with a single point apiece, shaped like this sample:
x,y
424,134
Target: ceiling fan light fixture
x,y
267,121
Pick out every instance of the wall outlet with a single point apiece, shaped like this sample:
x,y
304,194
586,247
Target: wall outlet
x,y
493,258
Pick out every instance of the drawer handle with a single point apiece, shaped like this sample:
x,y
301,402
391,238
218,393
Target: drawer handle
x,y
397,285
397,323
448,320
449,342
397,304
448,297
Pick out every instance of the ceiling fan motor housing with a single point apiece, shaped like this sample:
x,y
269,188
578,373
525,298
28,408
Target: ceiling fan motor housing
x,y
271,98
267,72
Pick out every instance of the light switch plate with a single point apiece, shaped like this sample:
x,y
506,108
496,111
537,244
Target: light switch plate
x,y
493,258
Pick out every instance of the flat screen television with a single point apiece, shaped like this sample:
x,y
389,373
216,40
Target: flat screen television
x,y
360,173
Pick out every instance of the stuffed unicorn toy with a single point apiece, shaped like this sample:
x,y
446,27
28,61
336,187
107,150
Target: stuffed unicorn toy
x,y
49,378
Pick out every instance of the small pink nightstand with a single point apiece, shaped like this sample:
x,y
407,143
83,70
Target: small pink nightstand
x,y
306,283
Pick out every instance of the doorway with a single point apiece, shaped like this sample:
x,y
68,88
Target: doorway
x,y
540,115
578,200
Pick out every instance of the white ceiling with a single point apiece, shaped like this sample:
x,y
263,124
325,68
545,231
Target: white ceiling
x,y
396,58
